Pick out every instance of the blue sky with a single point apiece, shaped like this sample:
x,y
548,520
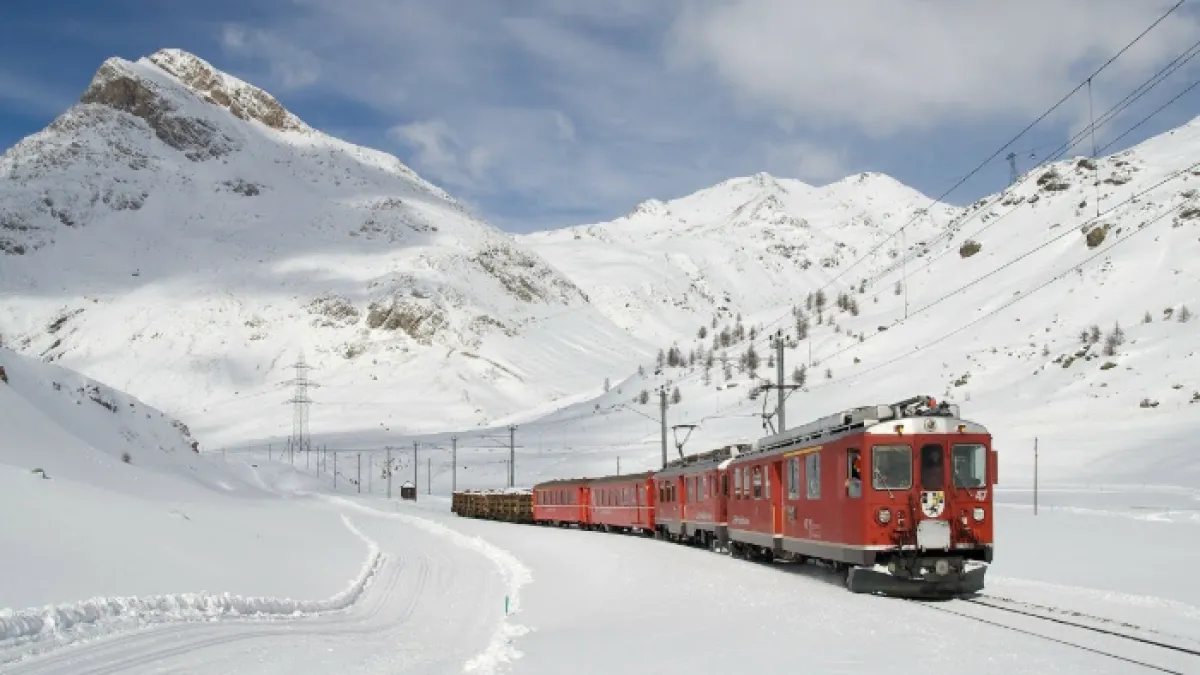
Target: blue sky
x,y
545,113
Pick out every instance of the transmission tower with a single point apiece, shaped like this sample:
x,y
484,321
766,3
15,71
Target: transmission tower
x,y
1012,168
300,441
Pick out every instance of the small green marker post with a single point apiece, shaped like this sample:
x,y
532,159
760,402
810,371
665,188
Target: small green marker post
x,y
506,605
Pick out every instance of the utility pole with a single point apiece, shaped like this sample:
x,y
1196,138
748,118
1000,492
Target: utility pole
x,y
779,377
453,464
368,474
1012,167
388,470
358,474
1035,476
428,476
618,465
662,412
512,455
335,469
415,483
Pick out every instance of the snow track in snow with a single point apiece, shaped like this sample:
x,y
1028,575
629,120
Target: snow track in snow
x,y
32,631
516,574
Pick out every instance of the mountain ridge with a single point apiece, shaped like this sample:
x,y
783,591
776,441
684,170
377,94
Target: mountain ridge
x,y
206,237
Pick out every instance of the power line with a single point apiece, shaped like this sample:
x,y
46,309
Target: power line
x,y
1002,148
1079,137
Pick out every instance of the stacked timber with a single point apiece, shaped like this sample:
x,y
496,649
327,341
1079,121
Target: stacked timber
x,y
513,505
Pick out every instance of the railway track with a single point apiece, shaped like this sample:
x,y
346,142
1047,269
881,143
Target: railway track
x,y
1150,652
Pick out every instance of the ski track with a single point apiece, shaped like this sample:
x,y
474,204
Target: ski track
x,y
500,650
33,631
403,601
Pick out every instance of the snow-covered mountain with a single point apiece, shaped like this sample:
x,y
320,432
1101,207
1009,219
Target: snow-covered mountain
x,y
1008,306
179,234
744,245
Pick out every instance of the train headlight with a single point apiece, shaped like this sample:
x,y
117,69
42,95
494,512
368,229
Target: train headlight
x,y
884,516
978,513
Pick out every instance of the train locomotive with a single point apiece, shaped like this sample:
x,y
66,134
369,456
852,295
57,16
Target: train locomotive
x,y
896,497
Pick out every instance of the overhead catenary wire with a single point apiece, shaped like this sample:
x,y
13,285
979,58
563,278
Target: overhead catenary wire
x,y
967,216
618,407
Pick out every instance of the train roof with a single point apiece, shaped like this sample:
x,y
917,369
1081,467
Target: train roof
x,y
704,461
858,420
622,477
562,482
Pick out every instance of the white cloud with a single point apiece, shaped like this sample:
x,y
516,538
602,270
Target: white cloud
x,y
806,160
579,111
890,65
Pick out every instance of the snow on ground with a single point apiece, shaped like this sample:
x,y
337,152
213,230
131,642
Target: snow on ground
x,y
87,533
594,601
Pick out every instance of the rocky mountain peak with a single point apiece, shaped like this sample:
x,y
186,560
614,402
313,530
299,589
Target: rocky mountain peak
x,y
244,100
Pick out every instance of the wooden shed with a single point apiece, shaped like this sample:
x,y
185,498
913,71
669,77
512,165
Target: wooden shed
x,y
408,491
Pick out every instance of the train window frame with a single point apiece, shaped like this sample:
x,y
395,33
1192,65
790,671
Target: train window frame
x,y
793,478
875,464
851,492
981,462
812,472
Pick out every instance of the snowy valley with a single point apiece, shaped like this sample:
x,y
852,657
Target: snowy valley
x,y
172,244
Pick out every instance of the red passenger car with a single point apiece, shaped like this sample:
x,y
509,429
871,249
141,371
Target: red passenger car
x,y
692,497
906,486
561,502
622,503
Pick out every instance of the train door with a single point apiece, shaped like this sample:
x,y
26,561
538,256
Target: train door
x,y
933,531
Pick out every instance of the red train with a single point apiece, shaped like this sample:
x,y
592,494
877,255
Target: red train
x,y
898,497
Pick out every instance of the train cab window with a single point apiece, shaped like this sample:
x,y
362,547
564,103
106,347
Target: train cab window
x,y
891,467
969,464
758,482
933,467
812,471
853,473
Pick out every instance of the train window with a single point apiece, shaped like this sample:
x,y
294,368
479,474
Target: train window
x,y
891,467
758,482
969,465
725,484
766,482
812,469
737,482
853,474
745,483
793,478
933,467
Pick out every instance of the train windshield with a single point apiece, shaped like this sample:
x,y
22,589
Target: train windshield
x,y
970,465
891,467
